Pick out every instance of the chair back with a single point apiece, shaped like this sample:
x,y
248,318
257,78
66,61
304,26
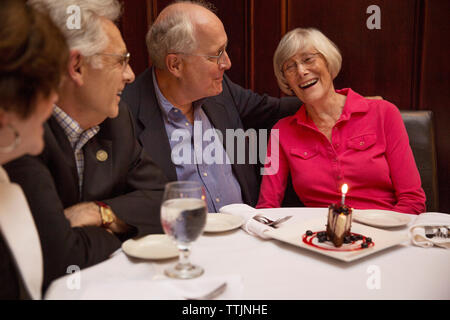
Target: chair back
x,y
420,128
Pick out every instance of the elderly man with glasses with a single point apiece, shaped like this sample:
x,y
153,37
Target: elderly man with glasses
x,y
187,93
93,186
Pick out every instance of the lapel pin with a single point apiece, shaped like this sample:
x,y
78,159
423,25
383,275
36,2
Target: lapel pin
x,y
102,155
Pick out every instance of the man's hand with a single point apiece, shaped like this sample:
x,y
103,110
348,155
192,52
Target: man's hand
x,y
374,97
88,214
83,214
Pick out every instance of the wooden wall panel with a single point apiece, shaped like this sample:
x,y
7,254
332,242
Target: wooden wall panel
x,y
134,25
375,62
267,31
234,15
435,87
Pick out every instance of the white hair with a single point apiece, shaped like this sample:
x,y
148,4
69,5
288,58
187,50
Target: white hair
x,y
170,34
301,39
90,38
173,33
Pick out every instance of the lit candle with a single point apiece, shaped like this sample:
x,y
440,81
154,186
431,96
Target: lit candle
x,y
344,190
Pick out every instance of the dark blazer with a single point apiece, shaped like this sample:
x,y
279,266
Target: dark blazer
x,y
234,108
129,181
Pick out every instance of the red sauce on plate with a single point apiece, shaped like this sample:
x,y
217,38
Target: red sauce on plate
x,y
329,246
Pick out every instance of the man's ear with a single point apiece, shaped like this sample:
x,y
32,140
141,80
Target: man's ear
x,y
174,64
75,67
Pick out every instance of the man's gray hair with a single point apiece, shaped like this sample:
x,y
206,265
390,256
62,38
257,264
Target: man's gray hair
x,y
89,38
302,39
172,34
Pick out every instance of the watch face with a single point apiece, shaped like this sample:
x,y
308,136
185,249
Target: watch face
x,y
107,216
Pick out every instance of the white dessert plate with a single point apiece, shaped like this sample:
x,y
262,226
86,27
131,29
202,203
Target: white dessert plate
x,y
153,246
295,234
221,222
381,218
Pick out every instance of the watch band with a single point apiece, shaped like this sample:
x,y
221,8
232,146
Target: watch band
x,y
105,214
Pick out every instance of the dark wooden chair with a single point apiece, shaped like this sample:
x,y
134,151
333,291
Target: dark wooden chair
x,y
420,127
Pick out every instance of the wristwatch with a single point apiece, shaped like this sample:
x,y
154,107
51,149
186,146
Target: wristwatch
x,y
105,213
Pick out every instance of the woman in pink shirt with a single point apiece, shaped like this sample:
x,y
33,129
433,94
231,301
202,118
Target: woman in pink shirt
x,y
336,137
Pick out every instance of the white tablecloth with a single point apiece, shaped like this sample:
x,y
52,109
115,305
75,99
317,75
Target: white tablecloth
x,y
271,269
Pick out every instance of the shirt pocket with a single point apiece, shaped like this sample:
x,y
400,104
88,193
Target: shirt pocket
x,y
304,153
362,142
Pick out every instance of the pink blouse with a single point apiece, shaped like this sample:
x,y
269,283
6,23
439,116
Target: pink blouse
x,y
369,151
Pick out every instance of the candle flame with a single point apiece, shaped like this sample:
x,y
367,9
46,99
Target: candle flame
x,y
344,188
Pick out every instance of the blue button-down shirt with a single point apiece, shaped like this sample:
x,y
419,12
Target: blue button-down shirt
x,y
198,153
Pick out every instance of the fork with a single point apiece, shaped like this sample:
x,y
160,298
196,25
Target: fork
x,y
270,222
210,295
442,232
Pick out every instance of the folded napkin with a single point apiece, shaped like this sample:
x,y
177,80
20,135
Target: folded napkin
x,y
429,219
246,212
167,289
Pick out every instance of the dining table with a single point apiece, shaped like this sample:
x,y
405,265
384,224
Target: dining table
x,y
269,269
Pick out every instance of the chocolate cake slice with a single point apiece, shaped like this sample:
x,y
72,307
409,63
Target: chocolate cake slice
x,y
339,223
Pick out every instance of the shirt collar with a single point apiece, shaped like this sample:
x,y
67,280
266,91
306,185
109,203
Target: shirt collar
x,y
353,104
72,128
165,105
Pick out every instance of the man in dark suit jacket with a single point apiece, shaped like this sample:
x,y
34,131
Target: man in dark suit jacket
x,y
191,81
126,180
93,186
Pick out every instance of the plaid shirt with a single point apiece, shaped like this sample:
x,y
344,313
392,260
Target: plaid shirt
x,y
77,138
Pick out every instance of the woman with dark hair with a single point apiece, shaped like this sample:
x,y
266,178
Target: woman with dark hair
x,y
33,55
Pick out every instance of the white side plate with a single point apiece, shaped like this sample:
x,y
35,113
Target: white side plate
x,y
381,218
153,246
220,222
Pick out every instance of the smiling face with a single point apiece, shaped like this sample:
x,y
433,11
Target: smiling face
x,y
308,77
202,76
103,86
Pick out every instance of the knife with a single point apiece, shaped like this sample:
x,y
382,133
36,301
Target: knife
x,y
430,232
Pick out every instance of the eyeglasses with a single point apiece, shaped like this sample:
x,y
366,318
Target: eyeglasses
x,y
220,58
292,67
124,58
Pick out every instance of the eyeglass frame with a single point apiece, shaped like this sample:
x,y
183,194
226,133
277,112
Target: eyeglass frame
x,y
125,57
302,62
218,57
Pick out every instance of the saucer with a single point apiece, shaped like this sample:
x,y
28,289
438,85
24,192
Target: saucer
x,y
381,218
221,222
153,246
